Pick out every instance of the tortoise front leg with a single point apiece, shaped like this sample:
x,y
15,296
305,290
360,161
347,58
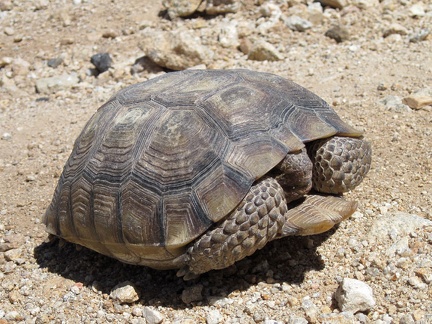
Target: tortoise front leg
x,y
258,219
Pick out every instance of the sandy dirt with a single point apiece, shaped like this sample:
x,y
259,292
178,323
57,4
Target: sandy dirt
x,y
38,131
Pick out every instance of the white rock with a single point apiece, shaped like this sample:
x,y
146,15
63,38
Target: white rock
x,y
417,10
6,136
56,83
417,283
296,23
124,292
228,35
214,317
152,316
181,8
396,226
272,12
354,296
310,309
400,247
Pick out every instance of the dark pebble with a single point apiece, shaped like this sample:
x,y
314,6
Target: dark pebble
x,y
101,61
55,62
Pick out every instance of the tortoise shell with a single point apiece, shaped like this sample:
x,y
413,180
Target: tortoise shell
x,y
163,160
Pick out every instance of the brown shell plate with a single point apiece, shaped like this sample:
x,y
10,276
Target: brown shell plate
x,y
163,160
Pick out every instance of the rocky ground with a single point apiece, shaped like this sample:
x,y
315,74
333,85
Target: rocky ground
x,y
370,59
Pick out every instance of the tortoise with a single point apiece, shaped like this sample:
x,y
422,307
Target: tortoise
x,y
197,169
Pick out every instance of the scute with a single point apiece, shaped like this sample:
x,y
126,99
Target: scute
x,y
163,160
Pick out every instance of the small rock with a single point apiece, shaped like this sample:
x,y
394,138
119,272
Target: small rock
x,y
144,63
6,5
214,317
13,316
417,283
137,311
406,319
110,34
297,24
419,35
272,12
400,247
152,316
181,8
5,60
419,99
338,318
13,241
6,136
297,320
263,51
175,50
416,10
101,61
56,83
354,296
338,4
338,33
55,62
76,289
41,4
396,225
365,4
315,12
245,46
395,29
67,41
9,31
216,7
13,254
310,309
192,294
425,274
228,35
30,178
20,66
219,301
124,292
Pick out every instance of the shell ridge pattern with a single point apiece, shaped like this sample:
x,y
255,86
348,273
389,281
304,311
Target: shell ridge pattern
x,y
84,148
130,227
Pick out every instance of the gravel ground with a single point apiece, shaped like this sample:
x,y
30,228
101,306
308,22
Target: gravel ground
x,y
369,68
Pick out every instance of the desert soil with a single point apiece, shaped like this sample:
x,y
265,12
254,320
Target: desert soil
x,y
290,280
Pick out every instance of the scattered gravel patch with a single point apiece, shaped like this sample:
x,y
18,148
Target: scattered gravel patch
x,y
370,59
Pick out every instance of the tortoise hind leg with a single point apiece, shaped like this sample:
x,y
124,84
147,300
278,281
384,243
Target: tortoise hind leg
x,y
262,216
